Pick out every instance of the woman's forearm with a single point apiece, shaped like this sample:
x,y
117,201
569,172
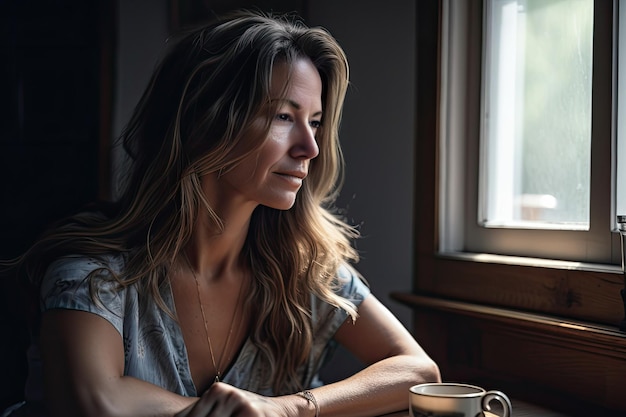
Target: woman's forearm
x,y
120,397
378,389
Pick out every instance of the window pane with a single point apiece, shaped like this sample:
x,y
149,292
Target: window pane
x,y
536,132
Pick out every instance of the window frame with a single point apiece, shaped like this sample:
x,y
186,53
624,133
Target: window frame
x,y
462,127
579,290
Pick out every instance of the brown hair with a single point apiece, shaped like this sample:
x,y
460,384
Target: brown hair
x,y
195,118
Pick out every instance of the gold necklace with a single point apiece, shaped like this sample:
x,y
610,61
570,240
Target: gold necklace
x,y
218,365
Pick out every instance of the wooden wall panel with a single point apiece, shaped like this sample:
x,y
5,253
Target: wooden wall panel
x,y
584,295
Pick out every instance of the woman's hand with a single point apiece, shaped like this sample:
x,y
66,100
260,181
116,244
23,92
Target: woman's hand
x,y
224,400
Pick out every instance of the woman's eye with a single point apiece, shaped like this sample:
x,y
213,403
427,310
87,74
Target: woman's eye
x,y
315,124
283,117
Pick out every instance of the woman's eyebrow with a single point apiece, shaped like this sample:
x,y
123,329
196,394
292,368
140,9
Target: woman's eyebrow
x,y
297,106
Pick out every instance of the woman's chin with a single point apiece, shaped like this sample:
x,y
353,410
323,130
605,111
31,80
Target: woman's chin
x,y
283,204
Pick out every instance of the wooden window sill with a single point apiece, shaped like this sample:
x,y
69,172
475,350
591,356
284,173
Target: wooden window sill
x,y
602,336
573,367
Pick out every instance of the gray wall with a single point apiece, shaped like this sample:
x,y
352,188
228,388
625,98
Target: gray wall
x,y
142,32
377,131
378,137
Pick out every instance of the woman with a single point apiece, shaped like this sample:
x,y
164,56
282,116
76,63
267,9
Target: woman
x,y
220,281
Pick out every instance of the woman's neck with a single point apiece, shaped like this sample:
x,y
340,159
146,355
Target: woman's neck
x,y
216,254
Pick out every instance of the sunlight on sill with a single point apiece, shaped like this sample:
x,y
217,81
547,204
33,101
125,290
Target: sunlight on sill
x,y
527,261
574,326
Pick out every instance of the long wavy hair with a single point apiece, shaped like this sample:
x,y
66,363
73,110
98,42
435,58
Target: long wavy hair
x,y
195,118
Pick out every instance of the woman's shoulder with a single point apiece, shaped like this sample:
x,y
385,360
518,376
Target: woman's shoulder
x,y
79,267
113,261
86,283
69,281
350,284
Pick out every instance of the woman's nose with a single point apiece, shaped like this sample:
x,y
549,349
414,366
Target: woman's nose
x,y
305,144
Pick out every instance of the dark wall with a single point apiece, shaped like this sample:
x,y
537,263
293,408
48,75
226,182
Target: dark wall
x,y
50,118
50,114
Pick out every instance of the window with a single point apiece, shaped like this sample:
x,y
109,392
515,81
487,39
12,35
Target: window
x,y
571,272
536,114
485,295
527,130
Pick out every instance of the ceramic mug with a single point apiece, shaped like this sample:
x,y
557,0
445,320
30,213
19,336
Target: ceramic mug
x,y
453,400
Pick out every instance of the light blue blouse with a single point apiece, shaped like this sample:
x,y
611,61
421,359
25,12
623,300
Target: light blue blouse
x,y
154,348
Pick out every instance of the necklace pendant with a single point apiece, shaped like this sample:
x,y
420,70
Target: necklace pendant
x,y
217,378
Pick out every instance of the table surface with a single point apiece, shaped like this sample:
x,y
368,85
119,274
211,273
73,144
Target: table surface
x,y
406,414
520,409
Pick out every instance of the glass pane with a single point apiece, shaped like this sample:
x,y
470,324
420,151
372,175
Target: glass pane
x,y
536,132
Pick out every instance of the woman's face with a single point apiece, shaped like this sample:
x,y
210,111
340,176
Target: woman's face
x,y
273,174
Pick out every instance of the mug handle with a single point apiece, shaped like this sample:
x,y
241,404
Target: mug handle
x,y
501,398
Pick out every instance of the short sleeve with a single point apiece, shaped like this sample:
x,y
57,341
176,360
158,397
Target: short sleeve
x,y
351,286
327,318
67,284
